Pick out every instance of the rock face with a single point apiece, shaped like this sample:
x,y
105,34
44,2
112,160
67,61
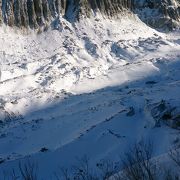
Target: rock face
x,y
30,13
39,13
109,8
159,13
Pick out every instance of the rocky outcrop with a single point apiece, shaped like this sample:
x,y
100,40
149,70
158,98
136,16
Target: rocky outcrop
x,y
159,13
39,13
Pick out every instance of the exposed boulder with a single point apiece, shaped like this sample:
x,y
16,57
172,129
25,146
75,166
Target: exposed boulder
x,y
164,112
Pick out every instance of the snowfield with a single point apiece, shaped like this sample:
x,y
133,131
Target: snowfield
x,y
92,88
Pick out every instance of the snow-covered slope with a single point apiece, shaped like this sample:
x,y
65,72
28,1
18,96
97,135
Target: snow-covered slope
x,y
90,88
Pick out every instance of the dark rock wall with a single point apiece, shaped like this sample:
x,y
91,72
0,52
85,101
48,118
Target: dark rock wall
x,y
30,13
39,13
109,8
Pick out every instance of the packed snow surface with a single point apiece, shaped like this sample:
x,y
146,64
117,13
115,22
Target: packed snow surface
x,y
85,89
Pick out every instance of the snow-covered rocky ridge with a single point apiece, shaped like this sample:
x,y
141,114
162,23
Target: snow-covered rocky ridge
x,y
90,88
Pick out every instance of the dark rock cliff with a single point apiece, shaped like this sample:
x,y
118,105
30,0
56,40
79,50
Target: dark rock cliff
x,y
32,13
39,13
